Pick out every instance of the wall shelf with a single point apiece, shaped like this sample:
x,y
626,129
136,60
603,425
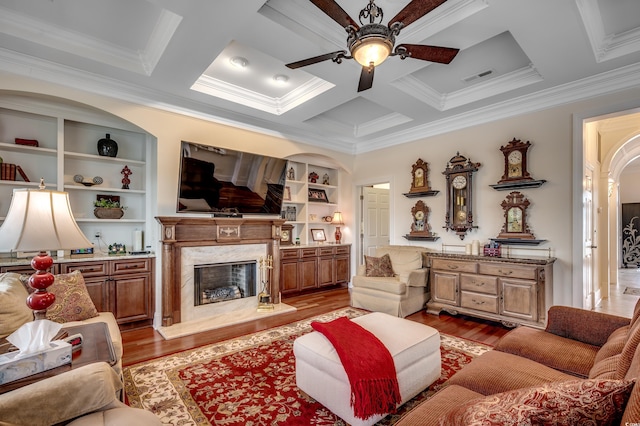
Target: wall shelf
x,y
429,193
518,185
517,241
417,238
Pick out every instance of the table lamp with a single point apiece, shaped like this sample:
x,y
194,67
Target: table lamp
x,y
40,220
337,220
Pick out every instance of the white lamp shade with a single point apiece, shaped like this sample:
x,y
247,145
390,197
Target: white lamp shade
x,y
40,220
337,219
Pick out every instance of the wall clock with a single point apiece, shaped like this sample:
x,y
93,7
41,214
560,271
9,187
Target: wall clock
x,y
286,235
516,225
419,174
515,161
420,224
459,176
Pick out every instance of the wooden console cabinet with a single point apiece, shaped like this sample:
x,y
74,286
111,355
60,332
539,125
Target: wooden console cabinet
x,y
124,286
511,291
312,268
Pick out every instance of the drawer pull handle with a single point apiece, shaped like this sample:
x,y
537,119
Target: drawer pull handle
x,y
478,302
505,272
452,266
478,284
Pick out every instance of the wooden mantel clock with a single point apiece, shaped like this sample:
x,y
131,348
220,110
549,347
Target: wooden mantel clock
x,y
459,175
420,220
516,225
515,162
419,174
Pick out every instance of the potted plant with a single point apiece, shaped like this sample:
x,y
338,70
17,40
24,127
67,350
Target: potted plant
x,y
108,209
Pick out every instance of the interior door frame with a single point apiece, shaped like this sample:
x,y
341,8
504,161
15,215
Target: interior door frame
x,y
359,212
578,166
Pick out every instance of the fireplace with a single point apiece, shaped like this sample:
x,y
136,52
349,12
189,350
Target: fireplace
x,y
189,241
221,282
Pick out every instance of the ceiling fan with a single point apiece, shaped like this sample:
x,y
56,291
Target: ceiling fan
x,y
371,43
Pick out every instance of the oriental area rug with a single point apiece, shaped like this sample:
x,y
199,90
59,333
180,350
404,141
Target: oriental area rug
x,y
251,381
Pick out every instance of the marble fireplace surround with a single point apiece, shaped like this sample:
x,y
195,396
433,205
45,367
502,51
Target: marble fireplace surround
x,y
187,241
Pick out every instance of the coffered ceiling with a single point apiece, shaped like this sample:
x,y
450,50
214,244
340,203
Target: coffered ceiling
x,y
515,56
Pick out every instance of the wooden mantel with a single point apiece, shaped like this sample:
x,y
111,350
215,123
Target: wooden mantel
x,y
178,232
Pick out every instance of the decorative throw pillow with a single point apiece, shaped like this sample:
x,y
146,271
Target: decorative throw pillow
x,y
563,403
72,299
378,266
14,311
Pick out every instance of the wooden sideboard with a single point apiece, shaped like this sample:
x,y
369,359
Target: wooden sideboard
x,y
511,291
122,285
308,268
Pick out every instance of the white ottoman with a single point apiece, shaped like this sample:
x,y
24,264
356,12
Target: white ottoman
x,y
415,349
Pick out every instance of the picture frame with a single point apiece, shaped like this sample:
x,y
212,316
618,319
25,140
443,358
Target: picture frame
x,y
287,194
318,195
318,235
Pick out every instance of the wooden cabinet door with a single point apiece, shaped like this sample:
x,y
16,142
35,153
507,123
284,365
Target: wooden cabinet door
x,y
98,291
343,269
307,273
132,298
289,276
326,271
445,287
519,299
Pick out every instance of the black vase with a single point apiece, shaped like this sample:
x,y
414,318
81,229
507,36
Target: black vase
x,y
107,147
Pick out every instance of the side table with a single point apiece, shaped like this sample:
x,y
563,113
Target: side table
x,y
96,347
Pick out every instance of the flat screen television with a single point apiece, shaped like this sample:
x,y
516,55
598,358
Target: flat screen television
x,y
226,182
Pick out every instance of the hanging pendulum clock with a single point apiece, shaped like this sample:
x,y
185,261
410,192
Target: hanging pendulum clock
x,y
459,176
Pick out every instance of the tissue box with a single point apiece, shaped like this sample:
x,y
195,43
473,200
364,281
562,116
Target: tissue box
x,y
12,369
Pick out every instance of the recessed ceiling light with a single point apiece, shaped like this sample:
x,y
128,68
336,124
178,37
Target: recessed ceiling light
x,y
281,78
239,61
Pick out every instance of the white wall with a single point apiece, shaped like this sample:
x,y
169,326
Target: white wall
x,y
550,158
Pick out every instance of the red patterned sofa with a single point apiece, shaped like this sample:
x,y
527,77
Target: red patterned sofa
x,y
583,363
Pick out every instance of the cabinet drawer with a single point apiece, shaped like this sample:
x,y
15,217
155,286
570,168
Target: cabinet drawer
x,y
342,250
130,266
454,265
479,283
289,254
507,270
326,251
308,252
88,269
479,302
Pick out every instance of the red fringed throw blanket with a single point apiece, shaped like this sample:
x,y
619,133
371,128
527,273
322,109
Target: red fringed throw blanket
x,y
368,364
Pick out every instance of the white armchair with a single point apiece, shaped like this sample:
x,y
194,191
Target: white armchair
x,y
404,293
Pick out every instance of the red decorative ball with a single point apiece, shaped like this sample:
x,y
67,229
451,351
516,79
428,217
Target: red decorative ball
x,y
40,281
41,262
39,301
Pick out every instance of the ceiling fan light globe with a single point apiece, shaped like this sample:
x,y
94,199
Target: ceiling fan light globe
x,y
373,50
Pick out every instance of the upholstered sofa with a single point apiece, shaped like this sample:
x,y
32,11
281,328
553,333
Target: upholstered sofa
x,y
90,394
584,362
401,290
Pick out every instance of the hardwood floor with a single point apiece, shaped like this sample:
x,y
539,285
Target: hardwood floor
x,y
144,344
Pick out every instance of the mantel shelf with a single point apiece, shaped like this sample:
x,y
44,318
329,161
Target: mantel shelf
x,y
517,241
419,238
430,193
516,185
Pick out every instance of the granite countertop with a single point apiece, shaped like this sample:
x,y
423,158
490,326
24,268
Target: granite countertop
x,y
293,246
12,261
523,260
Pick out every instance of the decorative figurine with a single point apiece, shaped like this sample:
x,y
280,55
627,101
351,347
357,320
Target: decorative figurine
x,y
313,177
125,180
291,174
325,179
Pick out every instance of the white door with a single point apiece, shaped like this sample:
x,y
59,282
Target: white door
x,y
374,229
589,239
